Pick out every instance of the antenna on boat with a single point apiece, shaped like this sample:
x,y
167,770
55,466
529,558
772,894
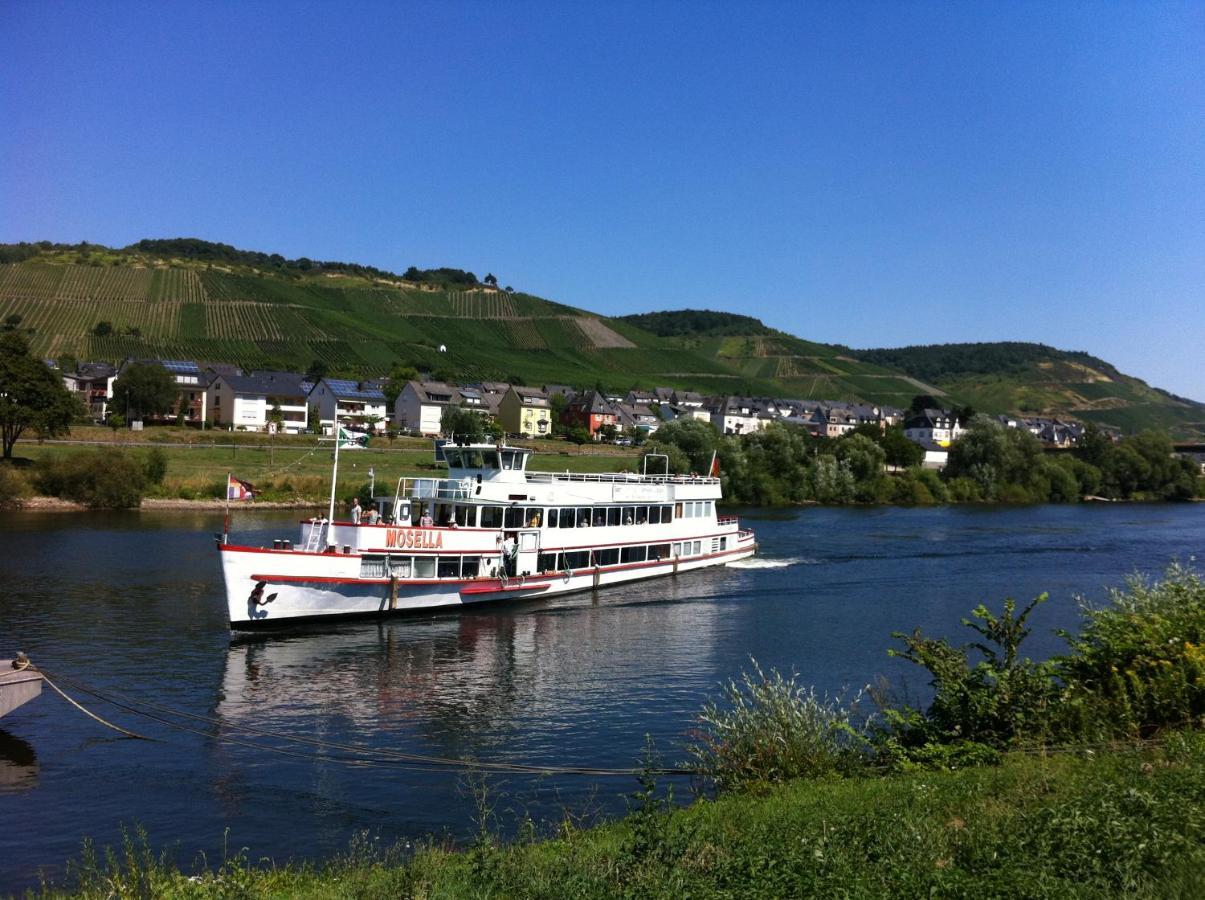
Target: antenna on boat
x,y
334,477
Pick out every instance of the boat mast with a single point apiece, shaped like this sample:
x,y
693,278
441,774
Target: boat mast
x,y
330,516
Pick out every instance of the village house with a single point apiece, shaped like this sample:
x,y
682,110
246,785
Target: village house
x,y
837,421
525,411
637,417
353,402
933,426
591,411
92,383
739,415
191,382
254,401
420,406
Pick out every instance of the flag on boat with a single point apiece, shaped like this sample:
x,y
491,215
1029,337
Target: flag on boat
x,y
237,489
714,471
352,440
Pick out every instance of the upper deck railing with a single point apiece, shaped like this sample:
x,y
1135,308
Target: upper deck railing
x,y
617,477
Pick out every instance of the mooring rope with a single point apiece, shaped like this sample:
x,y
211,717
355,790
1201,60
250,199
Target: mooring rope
x,y
363,755
87,712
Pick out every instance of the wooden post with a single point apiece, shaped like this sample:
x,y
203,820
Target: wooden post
x,y
392,592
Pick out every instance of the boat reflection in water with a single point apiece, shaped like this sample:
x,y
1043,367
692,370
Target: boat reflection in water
x,y
18,764
545,680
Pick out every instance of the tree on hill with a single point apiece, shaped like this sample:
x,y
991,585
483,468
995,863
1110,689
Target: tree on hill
x,y
31,395
673,323
11,322
490,279
103,329
317,370
145,389
921,402
396,381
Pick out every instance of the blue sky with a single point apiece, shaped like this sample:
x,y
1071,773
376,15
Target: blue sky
x,y
873,174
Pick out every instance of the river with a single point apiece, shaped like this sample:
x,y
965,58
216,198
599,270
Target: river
x,y
132,603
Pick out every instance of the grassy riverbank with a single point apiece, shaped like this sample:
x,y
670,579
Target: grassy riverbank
x,y
293,468
1122,822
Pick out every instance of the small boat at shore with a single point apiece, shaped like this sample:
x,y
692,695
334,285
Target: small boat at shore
x,y
491,530
19,683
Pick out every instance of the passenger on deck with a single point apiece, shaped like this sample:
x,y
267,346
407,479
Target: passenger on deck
x,y
374,515
426,521
355,511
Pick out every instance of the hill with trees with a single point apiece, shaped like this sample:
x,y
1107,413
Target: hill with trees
x,y
1035,379
186,298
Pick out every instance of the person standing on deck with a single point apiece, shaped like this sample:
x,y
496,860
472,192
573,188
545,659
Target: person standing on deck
x,y
355,511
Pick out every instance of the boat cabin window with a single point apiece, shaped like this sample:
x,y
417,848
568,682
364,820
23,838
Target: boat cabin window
x,y
547,562
608,557
534,516
633,554
448,567
452,457
399,566
553,516
614,515
424,567
512,459
491,517
642,515
470,567
514,517
466,516
583,517
629,515
490,459
659,551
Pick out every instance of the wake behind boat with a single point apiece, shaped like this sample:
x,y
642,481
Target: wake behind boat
x,y
491,530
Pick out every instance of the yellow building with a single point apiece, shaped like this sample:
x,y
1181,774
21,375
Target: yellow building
x,y
525,411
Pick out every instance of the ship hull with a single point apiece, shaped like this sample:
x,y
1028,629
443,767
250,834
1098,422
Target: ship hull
x,y
269,588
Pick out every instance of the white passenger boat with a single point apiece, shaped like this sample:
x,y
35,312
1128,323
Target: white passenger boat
x,y
491,530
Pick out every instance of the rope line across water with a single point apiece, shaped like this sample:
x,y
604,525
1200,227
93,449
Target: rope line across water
x,y
363,755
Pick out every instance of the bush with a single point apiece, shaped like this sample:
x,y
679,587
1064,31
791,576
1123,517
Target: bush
x,y
154,466
1138,663
100,479
770,729
14,487
1000,699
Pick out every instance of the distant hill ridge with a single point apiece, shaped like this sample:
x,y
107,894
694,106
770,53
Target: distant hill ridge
x,y
189,298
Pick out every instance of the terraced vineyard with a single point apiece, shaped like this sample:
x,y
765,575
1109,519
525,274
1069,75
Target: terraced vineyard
x,y
361,321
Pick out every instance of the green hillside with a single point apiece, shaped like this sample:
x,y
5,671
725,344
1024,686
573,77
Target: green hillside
x,y
190,299
1036,379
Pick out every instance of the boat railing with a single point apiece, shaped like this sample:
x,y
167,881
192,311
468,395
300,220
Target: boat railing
x,y
617,478
727,520
436,488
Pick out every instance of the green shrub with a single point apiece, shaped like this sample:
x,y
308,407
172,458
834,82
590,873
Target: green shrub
x,y
963,490
1000,699
100,479
14,487
154,466
770,729
1137,664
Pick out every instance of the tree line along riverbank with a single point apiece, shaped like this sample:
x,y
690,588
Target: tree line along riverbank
x,y
1079,776
774,467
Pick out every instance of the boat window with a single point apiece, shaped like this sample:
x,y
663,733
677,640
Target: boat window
x,y
568,517
399,566
372,567
552,517
508,459
491,517
583,517
453,458
614,515
534,516
490,459
470,567
629,515
449,567
697,547
659,551
547,562
633,554
667,514
578,559
514,517
676,549
473,459
600,518
608,557
424,567
466,516
677,510
642,515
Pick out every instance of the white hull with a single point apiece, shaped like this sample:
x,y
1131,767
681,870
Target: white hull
x,y
269,587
